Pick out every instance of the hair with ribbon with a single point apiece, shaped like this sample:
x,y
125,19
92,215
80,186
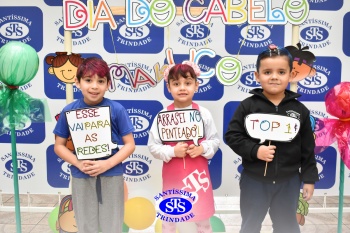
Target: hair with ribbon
x,y
274,51
173,71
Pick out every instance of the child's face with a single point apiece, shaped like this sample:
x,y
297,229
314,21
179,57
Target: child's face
x,y
93,88
182,90
274,75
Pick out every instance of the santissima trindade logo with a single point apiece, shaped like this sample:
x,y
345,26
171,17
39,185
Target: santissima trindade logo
x,y
23,24
315,33
80,37
175,205
136,168
25,165
247,81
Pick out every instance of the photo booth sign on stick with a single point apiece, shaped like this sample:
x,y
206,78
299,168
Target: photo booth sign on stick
x,y
271,127
91,133
180,125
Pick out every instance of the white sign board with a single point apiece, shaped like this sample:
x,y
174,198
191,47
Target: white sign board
x,y
180,125
91,132
271,127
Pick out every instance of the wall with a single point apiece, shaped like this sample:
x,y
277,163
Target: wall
x,y
39,23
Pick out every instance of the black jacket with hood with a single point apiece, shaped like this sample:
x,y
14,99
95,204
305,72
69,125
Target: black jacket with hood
x,y
291,158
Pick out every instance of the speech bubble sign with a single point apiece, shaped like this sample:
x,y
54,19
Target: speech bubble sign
x,y
180,125
91,132
271,127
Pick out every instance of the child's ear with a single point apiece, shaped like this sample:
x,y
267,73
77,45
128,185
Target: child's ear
x,y
77,83
168,86
256,75
293,74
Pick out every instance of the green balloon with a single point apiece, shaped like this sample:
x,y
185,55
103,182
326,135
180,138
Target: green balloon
x,y
217,225
53,219
19,63
125,228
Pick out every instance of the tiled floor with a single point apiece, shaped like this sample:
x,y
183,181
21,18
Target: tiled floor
x,y
37,220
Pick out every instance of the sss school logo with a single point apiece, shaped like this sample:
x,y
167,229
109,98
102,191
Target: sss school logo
x,y
174,205
328,73
315,33
144,39
24,87
229,110
25,165
252,39
142,114
333,5
317,125
58,171
136,168
247,81
215,169
346,34
209,88
32,133
23,24
79,37
194,35
326,166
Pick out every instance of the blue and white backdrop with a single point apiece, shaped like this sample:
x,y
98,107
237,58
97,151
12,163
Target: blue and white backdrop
x,y
40,24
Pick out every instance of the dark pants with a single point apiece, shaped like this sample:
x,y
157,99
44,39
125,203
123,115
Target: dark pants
x,y
281,200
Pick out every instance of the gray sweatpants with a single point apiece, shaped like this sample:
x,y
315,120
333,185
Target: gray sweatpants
x,y
92,216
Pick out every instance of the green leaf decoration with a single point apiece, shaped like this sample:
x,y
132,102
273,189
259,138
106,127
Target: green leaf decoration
x,y
303,206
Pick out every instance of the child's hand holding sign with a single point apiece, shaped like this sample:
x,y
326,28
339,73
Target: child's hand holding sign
x,y
180,149
266,153
270,127
195,151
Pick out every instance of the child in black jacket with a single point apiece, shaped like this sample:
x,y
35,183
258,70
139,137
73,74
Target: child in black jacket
x,y
275,189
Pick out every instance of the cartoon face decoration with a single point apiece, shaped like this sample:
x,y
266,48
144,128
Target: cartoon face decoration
x,y
64,66
66,218
302,62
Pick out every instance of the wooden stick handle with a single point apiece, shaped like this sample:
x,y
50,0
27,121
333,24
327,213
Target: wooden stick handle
x,y
266,163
